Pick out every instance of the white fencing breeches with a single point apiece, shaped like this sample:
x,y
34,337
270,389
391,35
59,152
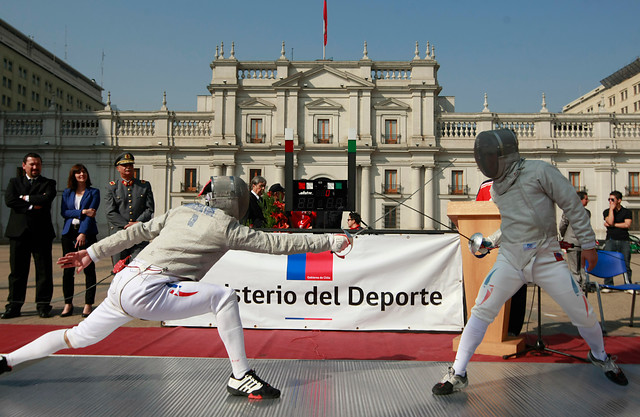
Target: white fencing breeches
x,y
547,270
150,295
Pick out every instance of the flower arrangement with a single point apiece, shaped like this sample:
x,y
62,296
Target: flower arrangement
x,y
273,211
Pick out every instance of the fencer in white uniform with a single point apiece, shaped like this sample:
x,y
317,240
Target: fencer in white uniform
x,y
526,193
162,282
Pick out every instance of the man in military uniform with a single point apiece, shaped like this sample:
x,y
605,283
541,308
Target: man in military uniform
x,y
129,200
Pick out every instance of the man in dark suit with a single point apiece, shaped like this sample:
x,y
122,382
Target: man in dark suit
x,y
128,200
254,217
30,232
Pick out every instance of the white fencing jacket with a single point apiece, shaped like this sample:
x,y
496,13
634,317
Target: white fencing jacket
x,y
188,240
525,197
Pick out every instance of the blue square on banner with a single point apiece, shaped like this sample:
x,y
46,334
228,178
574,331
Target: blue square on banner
x,y
296,266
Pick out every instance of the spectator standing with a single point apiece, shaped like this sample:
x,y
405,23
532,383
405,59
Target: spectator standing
x,y
255,217
617,220
574,251
30,232
277,191
128,201
80,201
354,222
484,193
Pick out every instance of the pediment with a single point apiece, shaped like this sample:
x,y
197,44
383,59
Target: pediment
x,y
323,104
324,76
391,104
256,103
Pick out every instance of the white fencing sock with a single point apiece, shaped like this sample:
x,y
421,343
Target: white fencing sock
x,y
472,336
43,346
593,336
232,335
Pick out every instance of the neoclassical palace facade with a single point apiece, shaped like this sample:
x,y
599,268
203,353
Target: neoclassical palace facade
x,y
414,153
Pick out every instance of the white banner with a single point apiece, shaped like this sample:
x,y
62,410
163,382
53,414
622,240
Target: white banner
x,y
387,282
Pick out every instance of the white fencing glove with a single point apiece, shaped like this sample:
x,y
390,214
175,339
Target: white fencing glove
x,y
338,243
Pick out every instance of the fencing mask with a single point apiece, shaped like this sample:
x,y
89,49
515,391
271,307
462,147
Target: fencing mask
x,y
495,151
229,194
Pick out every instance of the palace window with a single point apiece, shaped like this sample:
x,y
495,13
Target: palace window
x,y
190,180
457,183
391,181
635,219
612,101
323,132
256,134
636,89
624,110
634,184
391,216
574,179
391,134
623,95
136,173
254,172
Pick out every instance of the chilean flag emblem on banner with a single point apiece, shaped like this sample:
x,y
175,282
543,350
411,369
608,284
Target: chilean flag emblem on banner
x,y
310,267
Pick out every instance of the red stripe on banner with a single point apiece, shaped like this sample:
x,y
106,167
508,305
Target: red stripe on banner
x,y
325,22
319,266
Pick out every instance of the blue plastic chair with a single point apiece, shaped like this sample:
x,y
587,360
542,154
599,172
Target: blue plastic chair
x,y
611,264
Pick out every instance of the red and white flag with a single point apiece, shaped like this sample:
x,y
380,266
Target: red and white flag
x,y
325,22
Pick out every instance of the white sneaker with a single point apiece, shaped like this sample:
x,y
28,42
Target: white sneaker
x,y
450,383
611,370
605,290
629,291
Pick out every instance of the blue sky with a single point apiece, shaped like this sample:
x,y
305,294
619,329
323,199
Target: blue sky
x,y
512,50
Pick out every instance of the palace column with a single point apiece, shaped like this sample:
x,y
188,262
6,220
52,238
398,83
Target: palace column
x,y
428,198
365,193
416,200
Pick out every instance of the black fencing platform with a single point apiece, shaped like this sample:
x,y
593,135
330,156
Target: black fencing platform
x,y
150,386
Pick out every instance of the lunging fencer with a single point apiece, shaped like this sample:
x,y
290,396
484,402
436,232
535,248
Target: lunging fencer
x,y
526,193
162,282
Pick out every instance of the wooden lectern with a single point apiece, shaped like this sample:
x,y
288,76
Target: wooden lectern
x,y
472,217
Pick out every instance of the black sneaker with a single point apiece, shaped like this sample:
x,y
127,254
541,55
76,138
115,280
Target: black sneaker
x,y
450,383
250,385
611,370
3,365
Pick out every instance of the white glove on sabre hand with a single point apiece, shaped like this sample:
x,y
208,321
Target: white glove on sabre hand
x,y
479,245
338,243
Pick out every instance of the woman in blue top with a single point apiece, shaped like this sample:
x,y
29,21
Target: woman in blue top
x,y
80,202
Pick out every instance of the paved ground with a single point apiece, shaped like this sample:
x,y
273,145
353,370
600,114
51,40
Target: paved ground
x,y
616,305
